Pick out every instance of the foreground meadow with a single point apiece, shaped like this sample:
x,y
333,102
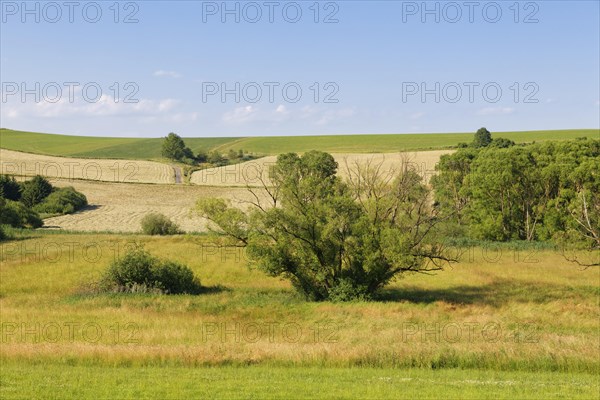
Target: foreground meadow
x,y
502,322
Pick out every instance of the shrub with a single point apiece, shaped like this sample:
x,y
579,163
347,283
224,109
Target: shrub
x,y
62,201
15,214
215,158
174,278
502,143
347,290
138,271
9,188
35,191
3,236
159,224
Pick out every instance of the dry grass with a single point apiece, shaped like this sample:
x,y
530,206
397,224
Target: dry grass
x,y
505,314
127,171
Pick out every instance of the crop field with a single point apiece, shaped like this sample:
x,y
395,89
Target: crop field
x,y
504,322
126,171
122,192
120,207
388,143
254,173
150,149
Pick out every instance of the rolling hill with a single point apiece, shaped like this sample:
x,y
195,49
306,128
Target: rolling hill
x,y
149,149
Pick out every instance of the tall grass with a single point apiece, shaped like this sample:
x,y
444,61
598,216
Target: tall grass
x,y
527,310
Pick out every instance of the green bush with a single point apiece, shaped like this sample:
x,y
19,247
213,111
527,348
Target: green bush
x,y
159,224
9,188
3,236
139,271
174,278
35,191
17,215
347,290
62,201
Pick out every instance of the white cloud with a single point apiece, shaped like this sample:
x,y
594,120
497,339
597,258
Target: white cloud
x,y
240,115
496,111
331,116
281,113
167,104
417,115
170,74
145,109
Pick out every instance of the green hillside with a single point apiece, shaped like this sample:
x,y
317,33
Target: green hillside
x,y
388,143
143,148
95,147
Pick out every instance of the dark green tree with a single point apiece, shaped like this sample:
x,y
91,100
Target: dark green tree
x,y
335,240
174,148
483,138
35,191
9,188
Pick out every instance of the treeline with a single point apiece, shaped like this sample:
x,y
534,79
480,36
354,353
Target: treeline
x,y
23,204
174,148
540,191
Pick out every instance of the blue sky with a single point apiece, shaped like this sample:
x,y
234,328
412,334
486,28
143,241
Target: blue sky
x,y
383,67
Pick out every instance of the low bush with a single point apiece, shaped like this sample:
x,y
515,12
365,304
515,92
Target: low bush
x,y
17,215
33,192
140,272
159,224
347,290
62,201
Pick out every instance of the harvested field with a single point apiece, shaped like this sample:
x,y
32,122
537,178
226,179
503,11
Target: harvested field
x,y
127,171
120,207
251,173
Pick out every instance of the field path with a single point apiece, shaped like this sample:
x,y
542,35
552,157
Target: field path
x,y
177,171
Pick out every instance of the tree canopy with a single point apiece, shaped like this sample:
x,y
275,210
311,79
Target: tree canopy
x,y
335,240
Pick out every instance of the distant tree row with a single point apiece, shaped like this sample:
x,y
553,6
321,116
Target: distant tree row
x,y
174,148
540,191
21,203
483,138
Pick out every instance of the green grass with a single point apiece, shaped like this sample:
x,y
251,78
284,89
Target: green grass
x,y
32,380
95,147
512,321
388,143
142,148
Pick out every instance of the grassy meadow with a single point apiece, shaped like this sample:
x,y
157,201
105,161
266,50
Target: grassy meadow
x,y
503,322
150,149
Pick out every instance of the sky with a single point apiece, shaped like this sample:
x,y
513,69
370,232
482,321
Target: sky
x,y
273,68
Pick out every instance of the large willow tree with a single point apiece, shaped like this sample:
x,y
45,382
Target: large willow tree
x,y
335,239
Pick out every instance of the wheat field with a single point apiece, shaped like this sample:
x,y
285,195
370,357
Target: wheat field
x,y
255,172
120,207
126,171
121,192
